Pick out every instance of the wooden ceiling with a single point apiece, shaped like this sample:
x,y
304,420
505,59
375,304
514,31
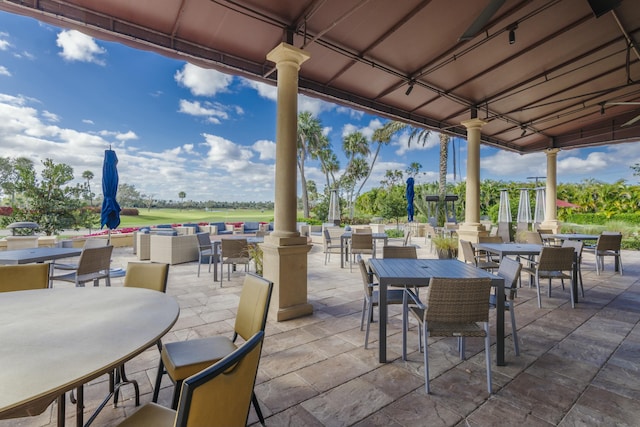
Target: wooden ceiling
x,y
559,84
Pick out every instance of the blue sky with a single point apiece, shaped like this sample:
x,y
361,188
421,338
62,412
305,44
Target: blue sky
x,y
176,127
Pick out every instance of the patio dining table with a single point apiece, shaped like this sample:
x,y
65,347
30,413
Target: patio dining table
x,y
344,243
217,244
31,255
526,249
418,272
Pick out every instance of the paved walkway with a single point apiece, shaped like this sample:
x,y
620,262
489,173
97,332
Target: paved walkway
x,y
576,367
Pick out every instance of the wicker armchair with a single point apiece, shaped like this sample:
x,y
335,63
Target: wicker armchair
x,y
453,309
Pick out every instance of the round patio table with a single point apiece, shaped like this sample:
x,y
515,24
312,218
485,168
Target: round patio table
x,y
56,340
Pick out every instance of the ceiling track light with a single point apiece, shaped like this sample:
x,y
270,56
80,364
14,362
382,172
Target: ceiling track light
x,y
409,89
512,33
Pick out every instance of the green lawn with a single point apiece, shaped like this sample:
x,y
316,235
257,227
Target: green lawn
x,y
177,216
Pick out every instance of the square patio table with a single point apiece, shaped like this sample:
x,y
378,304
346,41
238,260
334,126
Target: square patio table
x,y
344,239
418,272
526,249
31,255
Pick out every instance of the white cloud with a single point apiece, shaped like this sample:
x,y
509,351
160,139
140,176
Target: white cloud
x,y
402,142
50,116
574,165
210,111
77,46
508,165
305,103
266,149
202,81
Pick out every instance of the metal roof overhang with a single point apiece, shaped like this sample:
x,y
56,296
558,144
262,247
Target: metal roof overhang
x,y
557,86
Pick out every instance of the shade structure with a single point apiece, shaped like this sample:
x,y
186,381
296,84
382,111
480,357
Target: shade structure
x,y
110,213
539,210
334,208
524,210
410,194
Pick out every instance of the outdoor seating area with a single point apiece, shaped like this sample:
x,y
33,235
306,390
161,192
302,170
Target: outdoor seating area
x,y
581,361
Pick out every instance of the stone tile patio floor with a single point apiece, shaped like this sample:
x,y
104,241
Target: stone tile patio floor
x,y
576,366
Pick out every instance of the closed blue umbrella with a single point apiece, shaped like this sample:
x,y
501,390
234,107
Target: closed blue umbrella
x,y
110,214
410,195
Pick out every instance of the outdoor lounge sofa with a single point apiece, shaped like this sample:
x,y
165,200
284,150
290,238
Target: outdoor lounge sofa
x,y
173,249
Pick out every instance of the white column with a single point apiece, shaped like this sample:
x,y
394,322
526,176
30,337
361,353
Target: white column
x,y
288,60
285,251
471,228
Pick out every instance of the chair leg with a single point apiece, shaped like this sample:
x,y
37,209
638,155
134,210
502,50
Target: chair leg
x,y
487,351
514,332
424,332
256,406
537,282
156,388
366,334
176,395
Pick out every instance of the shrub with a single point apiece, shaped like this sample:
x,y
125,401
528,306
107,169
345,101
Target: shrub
x,y
130,212
6,211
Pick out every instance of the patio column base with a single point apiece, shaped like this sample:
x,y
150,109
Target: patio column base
x,y
470,233
553,224
285,264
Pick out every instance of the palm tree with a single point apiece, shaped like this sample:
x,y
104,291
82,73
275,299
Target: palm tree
x,y
88,175
311,142
356,148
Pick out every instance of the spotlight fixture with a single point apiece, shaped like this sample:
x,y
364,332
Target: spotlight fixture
x,y
512,33
409,89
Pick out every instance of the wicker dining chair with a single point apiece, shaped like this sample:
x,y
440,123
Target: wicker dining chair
x,y
454,308
510,271
361,244
93,265
372,297
553,263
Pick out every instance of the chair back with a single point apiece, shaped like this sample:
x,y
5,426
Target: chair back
x,y
490,239
367,277
468,252
609,242
577,245
458,300
362,230
253,307
529,237
204,241
399,252
24,277
361,241
556,259
95,242
220,395
510,271
93,260
234,248
148,275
